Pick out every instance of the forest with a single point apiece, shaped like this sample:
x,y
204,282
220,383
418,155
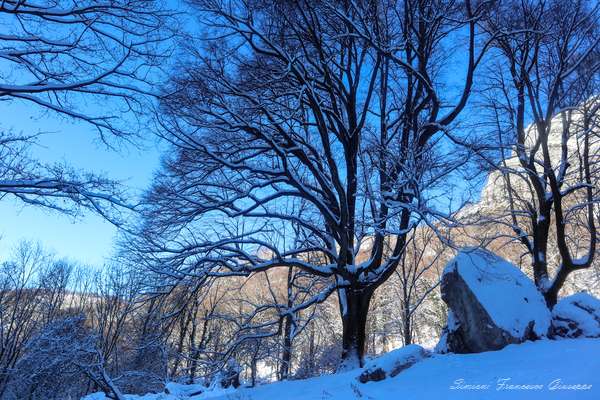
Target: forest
x,y
339,180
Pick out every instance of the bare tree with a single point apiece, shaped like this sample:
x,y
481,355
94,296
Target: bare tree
x,y
547,72
61,356
65,57
19,308
332,108
418,275
34,295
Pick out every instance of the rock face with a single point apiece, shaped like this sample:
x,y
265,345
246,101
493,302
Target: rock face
x,y
577,316
493,199
392,363
492,304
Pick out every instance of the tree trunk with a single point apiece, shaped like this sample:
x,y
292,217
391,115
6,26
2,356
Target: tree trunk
x,y
311,352
287,349
551,293
551,298
286,355
254,364
406,327
183,327
199,349
354,307
406,308
542,280
192,361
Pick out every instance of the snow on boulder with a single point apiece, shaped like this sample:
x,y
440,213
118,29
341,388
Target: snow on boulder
x,y
492,304
577,316
392,363
180,389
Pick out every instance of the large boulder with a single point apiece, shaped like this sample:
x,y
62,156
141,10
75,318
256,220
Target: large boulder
x,y
491,304
577,316
392,363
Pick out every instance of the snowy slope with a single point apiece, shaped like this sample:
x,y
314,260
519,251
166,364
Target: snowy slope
x,y
573,361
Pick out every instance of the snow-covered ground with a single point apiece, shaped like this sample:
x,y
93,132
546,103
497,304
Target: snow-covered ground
x,y
562,369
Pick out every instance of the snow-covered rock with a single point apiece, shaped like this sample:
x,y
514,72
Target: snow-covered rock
x,y
492,304
180,389
577,316
392,363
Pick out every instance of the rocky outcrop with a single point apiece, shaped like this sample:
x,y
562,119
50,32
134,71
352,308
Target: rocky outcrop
x,y
492,304
392,363
494,200
577,316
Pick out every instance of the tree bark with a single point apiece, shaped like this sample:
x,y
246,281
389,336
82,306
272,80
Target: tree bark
x,y
287,349
551,298
551,293
311,352
406,326
286,354
354,307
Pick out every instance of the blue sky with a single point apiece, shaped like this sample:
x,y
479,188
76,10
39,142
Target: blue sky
x,y
88,239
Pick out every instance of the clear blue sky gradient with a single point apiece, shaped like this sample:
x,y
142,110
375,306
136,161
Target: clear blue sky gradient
x,y
88,239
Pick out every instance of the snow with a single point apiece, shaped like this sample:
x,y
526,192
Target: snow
x,y
451,325
581,261
452,322
351,362
181,389
389,362
442,345
492,279
582,309
531,371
